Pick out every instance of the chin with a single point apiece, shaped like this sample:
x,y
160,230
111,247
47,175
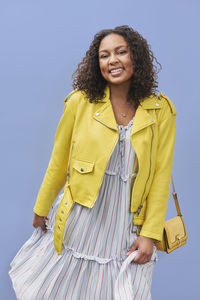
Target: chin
x,y
118,81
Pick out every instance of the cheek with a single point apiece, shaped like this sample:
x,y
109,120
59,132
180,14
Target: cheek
x,y
129,65
102,68
130,68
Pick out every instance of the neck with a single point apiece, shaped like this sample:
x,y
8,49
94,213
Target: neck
x,y
119,92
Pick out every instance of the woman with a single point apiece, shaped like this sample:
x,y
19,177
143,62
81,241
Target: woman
x,y
113,154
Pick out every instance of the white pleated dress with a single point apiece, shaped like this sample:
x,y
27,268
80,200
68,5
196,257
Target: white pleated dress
x,y
93,264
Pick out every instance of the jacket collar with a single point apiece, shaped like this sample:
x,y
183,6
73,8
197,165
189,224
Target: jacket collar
x,y
142,119
151,102
105,116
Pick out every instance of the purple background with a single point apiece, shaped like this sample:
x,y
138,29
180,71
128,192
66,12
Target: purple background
x,y
41,44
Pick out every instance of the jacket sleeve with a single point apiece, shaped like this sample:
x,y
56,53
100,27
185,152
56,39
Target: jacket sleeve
x,y
157,198
56,173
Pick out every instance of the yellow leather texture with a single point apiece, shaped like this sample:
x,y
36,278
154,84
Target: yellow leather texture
x,y
83,167
62,214
174,235
85,138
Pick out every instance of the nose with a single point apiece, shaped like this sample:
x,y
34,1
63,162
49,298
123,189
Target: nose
x,y
113,59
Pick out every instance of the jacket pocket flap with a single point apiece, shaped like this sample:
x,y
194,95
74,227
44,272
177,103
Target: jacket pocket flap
x,y
83,166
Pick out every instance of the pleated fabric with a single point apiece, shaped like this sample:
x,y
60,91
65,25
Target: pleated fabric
x,y
93,264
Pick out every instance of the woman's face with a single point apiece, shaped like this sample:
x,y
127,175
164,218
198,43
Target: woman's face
x,y
115,59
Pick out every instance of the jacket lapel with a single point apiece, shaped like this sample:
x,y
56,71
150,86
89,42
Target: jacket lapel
x,y
105,114
142,119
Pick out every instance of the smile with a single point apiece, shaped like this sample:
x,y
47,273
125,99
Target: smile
x,y
115,71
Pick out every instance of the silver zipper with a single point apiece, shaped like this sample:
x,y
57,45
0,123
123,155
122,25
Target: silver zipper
x,y
105,124
134,172
67,178
141,205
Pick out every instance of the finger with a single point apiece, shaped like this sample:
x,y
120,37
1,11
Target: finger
x,y
35,223
40,224
142,260
43,228
148,259
133,248
139,259
145,261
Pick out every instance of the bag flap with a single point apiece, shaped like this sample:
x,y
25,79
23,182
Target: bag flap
x,y
175,231
83,166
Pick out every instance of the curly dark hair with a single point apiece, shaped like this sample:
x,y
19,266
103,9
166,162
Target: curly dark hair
x,y
88,78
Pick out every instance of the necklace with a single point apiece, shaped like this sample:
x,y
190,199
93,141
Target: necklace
x,y
123,115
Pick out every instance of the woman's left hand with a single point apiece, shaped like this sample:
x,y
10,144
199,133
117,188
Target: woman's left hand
x,y
144,245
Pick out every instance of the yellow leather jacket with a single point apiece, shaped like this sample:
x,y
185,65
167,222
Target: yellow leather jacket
x,y
85,138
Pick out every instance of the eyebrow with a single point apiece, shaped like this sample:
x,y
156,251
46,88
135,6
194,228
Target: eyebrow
x,y
114,49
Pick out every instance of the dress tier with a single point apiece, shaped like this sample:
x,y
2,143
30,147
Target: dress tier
x,y
95,244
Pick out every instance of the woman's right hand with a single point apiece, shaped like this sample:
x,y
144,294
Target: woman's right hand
x,y
40,221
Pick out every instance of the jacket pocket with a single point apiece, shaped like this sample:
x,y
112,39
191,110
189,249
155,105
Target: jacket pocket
x,y
83,182
83,167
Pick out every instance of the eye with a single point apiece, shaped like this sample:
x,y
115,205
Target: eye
x,y
122,51
103,56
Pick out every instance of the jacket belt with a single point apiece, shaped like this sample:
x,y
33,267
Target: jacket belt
x,y
61,217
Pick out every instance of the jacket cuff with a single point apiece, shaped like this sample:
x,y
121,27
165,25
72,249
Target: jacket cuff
x,y
151,235
40,212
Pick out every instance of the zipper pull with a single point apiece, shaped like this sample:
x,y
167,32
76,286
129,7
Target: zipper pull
x,y
139,209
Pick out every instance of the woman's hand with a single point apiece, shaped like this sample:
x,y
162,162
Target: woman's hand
x,y
40,221
144,245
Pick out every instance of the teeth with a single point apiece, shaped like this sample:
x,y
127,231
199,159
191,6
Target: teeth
x,y
116,70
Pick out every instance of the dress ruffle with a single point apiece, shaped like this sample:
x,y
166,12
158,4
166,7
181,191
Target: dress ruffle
x,y
74,275
93,264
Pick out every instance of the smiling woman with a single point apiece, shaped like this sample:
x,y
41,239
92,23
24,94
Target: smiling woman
x,y
115,60
88,75
113,154
116,66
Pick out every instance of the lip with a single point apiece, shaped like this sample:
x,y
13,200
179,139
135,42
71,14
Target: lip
x,y
117,73
113,69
